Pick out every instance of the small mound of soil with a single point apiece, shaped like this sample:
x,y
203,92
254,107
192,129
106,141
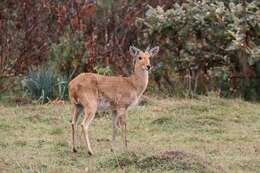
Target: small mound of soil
x,y
169,160
176,160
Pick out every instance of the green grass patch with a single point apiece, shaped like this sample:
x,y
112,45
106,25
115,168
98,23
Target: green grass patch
x,y
4,126
56,131
206,135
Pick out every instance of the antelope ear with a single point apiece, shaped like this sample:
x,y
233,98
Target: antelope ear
x,y
147,49
154,51
133,51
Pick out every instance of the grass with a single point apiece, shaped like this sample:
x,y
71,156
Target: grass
x,y
206,135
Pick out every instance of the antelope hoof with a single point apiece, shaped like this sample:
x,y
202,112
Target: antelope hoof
x,y
126,144
111,149
74,150
90,153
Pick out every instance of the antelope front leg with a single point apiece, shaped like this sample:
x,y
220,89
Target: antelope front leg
x,y
114,125
120,122
124,130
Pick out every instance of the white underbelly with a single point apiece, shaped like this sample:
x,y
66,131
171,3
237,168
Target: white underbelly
x,y
103,103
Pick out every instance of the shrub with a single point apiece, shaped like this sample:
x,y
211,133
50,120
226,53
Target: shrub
x,y
103,70
69,54
199,38
40,84
44,84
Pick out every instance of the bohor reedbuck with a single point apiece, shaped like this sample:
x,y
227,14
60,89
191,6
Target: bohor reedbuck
x,y
89,92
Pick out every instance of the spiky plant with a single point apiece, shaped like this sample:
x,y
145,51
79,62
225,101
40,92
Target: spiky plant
x,y
40,84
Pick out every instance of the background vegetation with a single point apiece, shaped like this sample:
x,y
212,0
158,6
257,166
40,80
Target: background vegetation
x,y
207,47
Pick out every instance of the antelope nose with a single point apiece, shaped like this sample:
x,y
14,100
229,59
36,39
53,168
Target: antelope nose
x,y
148,67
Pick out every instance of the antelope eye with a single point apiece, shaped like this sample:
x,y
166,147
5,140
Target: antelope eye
x,y
140,58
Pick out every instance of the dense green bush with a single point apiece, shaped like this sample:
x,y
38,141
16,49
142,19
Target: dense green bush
x,y
40,84
208,41
69,54
44,84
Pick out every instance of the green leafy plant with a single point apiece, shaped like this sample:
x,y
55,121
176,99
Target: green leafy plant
x,y
68,54
100,69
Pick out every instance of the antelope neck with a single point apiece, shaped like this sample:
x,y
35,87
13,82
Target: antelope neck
x,y
139,79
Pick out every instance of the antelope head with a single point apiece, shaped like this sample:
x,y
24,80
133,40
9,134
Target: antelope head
x,y
142,59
